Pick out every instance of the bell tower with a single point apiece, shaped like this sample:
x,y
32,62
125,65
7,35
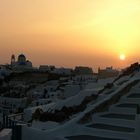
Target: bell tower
x,y
13,60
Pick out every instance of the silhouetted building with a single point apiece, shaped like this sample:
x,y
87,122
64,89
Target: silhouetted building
x,y
63,71
108,72
21,63
46,68
80,70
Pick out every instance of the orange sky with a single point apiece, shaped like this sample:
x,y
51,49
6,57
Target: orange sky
x,y
71,32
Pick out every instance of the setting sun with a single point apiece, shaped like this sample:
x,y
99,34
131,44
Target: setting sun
x,y
122,56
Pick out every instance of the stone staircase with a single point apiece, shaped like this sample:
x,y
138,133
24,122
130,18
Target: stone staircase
x,y
118,123
121,117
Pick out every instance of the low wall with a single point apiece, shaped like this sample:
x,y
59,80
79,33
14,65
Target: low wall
x,y
6,134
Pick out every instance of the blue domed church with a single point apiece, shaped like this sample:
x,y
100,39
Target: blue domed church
x,y
21,63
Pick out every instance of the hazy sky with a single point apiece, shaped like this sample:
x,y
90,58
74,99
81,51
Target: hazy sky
x,y
71,32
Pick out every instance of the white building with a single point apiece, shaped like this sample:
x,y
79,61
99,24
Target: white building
x,y
63,71
81,70
108,72
21,64
46,68
8,105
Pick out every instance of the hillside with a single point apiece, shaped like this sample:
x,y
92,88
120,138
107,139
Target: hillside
x,y
111,113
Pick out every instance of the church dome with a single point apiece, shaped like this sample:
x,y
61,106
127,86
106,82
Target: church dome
x,y
21,55
21,59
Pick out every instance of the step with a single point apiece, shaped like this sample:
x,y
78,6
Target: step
x,y
128,105
119,116
134,95
102,133
114,121
122,110
112,127
130,100
89,137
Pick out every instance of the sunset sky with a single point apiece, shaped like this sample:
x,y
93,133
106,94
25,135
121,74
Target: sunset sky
x,y
71,32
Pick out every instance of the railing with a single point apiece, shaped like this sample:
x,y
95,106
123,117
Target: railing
x,y
16,125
